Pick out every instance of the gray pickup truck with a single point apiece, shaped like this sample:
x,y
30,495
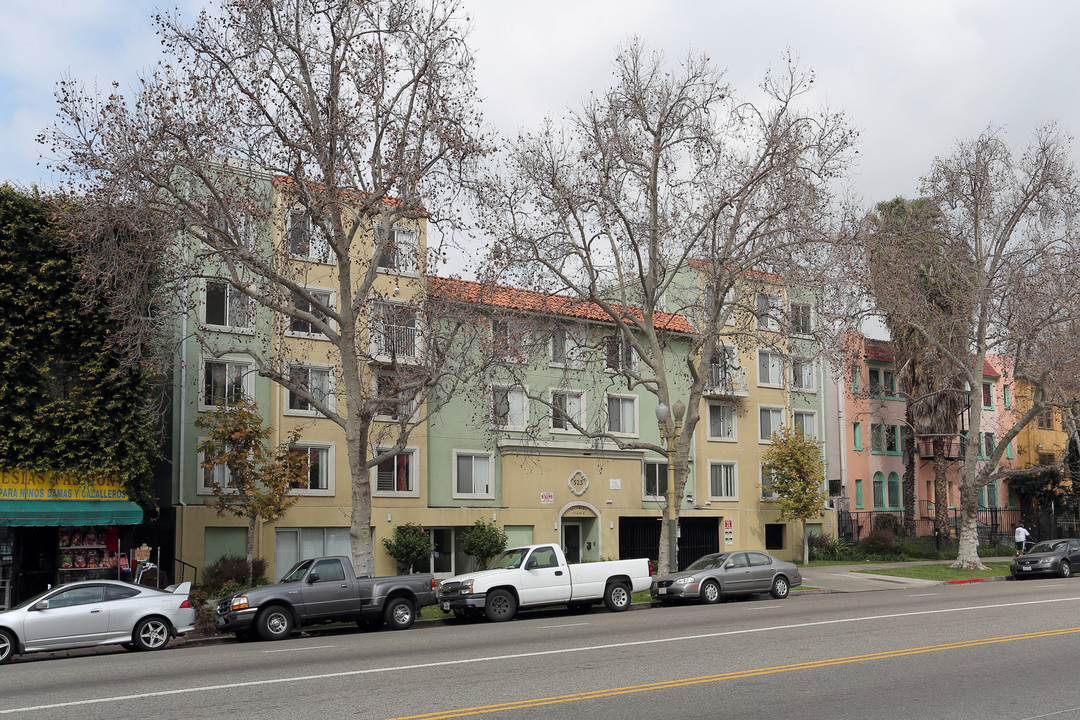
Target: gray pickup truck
x,y
320,590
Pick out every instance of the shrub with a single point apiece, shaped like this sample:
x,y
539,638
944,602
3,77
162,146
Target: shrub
x,y
879,541
410,546
232,569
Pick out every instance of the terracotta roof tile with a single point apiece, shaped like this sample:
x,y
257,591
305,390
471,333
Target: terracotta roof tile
x,y
531,301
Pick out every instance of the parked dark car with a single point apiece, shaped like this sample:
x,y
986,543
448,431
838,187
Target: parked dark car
x,y
1050,557
737,573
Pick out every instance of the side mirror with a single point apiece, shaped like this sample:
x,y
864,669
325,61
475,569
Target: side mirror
x,y
531,564
313,577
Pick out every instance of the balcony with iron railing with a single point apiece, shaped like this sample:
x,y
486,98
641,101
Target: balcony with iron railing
x,y
726,381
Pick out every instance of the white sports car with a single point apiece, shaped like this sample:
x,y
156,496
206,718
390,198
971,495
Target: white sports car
x,y
96,612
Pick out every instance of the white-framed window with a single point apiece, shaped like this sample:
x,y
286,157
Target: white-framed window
x,y
566,409
473,474
226,308
622,414
654,480
393,403
566,349
319,381
803,375
508,407
306,328
217,474
801,319
619,353
805,423
397,474
722,422
395,330
770,368
767,492
723,483
508,341
712,292
767,308
401,254
306,242
320,475
224,382
770,419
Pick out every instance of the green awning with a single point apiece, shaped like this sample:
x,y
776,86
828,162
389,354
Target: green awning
x,y
69,512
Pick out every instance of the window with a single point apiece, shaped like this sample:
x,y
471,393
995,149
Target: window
x,y
655,480
294,544
619,353
472,474
767,308
394,330
800,319
987,396
770,369
722,421
566,350
565,409
767,492
508,341
802,375
396,474
226,307
877,439
879,491
895,500
1045,419
305,241
224,383
316,380
320,469
722,485
857,433
393,402
771,419
217,475
805,423
508,407
401,254
307,327
858,493
622,414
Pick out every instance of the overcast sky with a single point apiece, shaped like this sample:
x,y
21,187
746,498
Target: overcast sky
x,y
913,76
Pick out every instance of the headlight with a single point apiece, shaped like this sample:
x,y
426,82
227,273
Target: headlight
x,y
240,602
685,580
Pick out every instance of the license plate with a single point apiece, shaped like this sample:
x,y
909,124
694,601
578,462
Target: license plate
x,y
446,607
661,591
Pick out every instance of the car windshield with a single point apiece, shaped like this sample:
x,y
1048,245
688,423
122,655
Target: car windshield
x,y
508,559
1049,547
707,563
296,574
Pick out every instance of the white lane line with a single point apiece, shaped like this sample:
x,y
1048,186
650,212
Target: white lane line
x,y
516,656
548,627
300,649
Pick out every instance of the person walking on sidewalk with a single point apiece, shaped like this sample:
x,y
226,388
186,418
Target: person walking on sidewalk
x,y
1020,535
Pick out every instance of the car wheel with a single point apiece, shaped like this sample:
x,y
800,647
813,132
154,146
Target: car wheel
x,y
151,634
274,623
780,587
7,646
617,597
1065,570
399,614
501,606
710,592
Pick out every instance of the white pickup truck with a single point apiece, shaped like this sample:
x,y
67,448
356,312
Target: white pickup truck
x,y
536,575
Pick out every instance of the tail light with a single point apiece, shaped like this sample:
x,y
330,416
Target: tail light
x,y
185,604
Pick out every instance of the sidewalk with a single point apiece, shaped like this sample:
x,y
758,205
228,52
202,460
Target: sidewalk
x,y
853,578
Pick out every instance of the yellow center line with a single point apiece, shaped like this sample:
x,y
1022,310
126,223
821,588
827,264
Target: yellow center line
x,y
733,675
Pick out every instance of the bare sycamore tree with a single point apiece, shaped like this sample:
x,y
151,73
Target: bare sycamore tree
x,y
660,191
1009,223
287,154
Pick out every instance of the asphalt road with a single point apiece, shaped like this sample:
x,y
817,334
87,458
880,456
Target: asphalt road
x,y
984,650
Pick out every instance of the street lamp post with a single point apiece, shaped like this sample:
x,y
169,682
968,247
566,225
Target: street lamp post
x,y
669,433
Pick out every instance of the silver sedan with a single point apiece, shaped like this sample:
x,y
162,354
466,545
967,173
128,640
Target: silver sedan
x,y
710,577
97,612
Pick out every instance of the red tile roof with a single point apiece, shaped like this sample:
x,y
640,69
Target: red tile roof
x,y
538,302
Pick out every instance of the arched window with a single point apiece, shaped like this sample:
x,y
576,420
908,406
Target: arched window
x,y
895,500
